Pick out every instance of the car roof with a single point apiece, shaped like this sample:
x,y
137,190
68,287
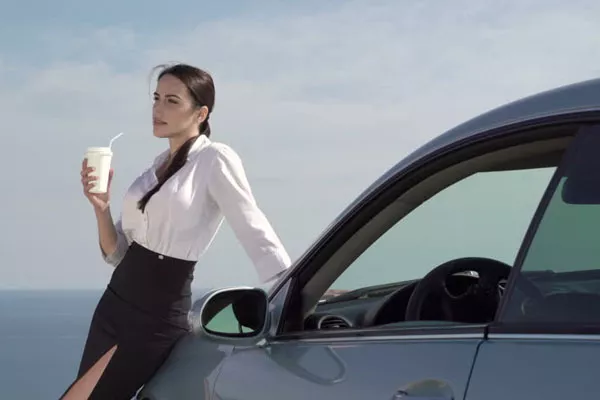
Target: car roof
x,y
577,98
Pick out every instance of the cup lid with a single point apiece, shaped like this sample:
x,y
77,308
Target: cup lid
x,y
99,150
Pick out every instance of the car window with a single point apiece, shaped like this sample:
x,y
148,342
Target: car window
x,y
559,280
485,215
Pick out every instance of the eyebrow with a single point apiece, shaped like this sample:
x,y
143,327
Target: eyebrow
x,y
169,95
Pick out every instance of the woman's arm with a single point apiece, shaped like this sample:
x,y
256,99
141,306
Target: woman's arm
x,y
229,187
113,243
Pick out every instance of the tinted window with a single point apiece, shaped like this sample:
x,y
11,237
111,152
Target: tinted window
x,y
484,215
560,276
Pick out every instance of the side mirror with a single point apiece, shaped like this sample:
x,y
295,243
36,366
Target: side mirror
x,y
240,312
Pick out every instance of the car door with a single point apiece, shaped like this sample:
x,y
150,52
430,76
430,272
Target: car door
x,y
476,201
545,342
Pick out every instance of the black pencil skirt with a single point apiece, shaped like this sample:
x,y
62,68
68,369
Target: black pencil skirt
x,y
144,312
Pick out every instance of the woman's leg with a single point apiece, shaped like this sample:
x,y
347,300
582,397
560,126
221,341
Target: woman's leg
x,y
121,371
101,338
85,384
130,367
99,347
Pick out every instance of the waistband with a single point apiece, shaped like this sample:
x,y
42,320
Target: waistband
x,y
143,253
155,283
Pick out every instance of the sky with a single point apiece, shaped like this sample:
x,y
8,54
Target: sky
x,y
318,98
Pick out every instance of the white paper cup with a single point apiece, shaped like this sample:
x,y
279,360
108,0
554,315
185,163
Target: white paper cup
x,y
99,158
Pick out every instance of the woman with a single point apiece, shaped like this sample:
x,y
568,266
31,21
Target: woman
x,y
170,215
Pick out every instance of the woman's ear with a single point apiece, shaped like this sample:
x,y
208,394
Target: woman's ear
x,y
203,114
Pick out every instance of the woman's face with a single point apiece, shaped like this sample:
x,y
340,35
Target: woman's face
x,y
174,113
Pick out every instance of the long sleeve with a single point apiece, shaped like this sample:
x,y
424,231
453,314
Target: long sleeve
x,y
229,187
122,244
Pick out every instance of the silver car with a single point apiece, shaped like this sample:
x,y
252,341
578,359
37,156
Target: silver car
x,y
470,270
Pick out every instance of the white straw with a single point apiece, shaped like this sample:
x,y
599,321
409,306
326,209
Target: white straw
x,y
113,139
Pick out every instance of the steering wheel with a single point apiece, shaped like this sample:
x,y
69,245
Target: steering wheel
x,y
490,272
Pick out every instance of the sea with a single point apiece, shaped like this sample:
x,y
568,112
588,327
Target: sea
x,y
42,334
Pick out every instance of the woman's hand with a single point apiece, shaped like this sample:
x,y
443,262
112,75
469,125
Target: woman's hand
x,y
100,201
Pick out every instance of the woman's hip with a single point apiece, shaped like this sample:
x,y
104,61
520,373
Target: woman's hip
x,y
153,283
131,323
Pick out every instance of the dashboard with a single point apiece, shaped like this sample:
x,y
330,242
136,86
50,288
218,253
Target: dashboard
x,y
542,296
387,305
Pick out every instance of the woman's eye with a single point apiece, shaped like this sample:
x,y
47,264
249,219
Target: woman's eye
x,y
172,101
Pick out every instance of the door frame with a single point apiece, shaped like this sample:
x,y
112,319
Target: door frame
x,y
357,216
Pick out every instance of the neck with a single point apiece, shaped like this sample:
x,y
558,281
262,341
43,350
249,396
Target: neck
x,y
176,142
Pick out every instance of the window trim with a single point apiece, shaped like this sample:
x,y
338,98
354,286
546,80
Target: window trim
x,y
383,196
530,234
525,330
473,331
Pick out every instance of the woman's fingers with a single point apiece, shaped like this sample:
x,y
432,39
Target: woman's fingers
x,y
88,182
86,189
88,179
86,171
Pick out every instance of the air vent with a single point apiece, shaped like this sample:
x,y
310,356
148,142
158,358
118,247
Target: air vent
x,y
333,322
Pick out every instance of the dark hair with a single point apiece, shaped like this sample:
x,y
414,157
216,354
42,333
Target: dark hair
x,y
201,88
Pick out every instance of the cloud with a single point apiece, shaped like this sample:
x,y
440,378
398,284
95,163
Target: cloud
x,y
318,103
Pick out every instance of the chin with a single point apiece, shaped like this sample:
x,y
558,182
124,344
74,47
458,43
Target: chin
x,y
161,133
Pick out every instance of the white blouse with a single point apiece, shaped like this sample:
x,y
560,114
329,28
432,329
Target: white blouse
x,y
183,217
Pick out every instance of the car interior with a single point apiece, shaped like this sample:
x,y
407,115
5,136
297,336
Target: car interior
x,y
459,291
